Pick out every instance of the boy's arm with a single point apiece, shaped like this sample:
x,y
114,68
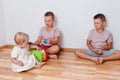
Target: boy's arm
x,y
15,61
33,47
38,40
55,41
90,46
108,46
98,51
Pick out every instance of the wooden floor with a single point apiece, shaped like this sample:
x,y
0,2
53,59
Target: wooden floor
x,y
67,67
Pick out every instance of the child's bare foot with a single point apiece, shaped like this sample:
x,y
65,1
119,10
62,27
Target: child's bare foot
x,y
95,59
40,64
54,56
100,60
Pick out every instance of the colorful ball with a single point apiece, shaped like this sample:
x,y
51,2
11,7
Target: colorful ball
x,y
40,55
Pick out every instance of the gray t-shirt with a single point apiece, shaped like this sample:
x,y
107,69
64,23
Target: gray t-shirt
x,y
99,39
54,32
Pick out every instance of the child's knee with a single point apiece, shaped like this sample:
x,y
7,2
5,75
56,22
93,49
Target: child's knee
x,y
55,49
117,52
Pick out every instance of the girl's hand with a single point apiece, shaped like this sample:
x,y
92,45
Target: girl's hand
x,y
20,63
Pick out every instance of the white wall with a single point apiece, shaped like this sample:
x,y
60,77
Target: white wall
x,y
74,18
2,27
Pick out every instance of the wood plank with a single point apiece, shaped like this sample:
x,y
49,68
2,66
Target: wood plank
x,y
42,77
7,77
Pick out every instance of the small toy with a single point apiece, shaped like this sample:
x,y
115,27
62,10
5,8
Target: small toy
x,y
40,55
44,40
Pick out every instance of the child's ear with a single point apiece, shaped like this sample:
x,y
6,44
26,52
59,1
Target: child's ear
x,y
104,23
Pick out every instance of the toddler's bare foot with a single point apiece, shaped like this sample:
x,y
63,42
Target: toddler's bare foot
x,y
54,56
100,60
40,64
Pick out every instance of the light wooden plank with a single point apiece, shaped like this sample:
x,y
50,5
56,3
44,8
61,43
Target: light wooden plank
x,y
7,77
42,77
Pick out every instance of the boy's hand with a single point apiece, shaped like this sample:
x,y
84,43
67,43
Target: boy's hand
x,y
49,41
36,47
98,51
104,47
39,48
20,63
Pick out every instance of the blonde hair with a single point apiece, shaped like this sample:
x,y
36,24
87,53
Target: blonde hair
x,y
20,37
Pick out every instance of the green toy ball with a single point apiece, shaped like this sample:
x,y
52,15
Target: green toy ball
x,y
40,55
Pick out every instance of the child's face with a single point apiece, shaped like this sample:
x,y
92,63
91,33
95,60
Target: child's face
x,y
49,21
24,42
99,24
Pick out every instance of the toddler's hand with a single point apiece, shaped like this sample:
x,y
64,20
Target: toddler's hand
x,y
20,63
